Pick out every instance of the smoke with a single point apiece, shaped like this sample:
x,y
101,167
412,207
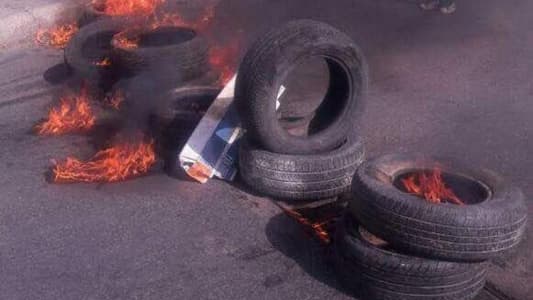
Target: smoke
x,y
147,95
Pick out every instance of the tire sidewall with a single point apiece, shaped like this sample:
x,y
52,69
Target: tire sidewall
x,y
291,48
180,62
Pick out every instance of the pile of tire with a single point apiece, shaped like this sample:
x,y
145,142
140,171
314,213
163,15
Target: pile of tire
x,y
276,163
165,79
389,245
424,250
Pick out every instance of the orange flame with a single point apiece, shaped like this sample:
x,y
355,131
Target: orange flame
x,y
222,60
127,7
319,228
120,162
57,36
115,99
169,19
174,19
128,39
431,187
125,41
105,62
73,114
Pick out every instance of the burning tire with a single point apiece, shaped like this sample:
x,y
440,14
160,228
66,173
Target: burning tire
x,y
267,64
491,222
175,54
300,177
90,53
375,272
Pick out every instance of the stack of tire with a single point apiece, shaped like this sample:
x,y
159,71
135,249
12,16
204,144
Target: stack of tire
x,y
166,77
304,168
432,251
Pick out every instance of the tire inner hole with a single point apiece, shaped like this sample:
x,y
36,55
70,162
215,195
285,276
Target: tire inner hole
x,y
166,36
315,93
468,190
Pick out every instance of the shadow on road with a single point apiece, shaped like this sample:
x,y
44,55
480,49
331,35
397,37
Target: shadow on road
x,y
293,241
58,74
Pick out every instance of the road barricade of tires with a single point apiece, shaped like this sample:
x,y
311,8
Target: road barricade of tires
x,y
392,242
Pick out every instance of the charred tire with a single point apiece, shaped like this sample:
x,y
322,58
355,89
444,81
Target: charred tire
x,y
99,35
176,120
473,232
189,100
376,273
172,63
300,177
268,63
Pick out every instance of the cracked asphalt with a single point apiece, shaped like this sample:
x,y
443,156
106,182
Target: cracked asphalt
x,y
454,85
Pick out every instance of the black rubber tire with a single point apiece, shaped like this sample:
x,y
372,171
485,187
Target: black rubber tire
x,y
174,122
172,64
268,63
472,232
300,177
187,99
173,137
83,63
376,273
